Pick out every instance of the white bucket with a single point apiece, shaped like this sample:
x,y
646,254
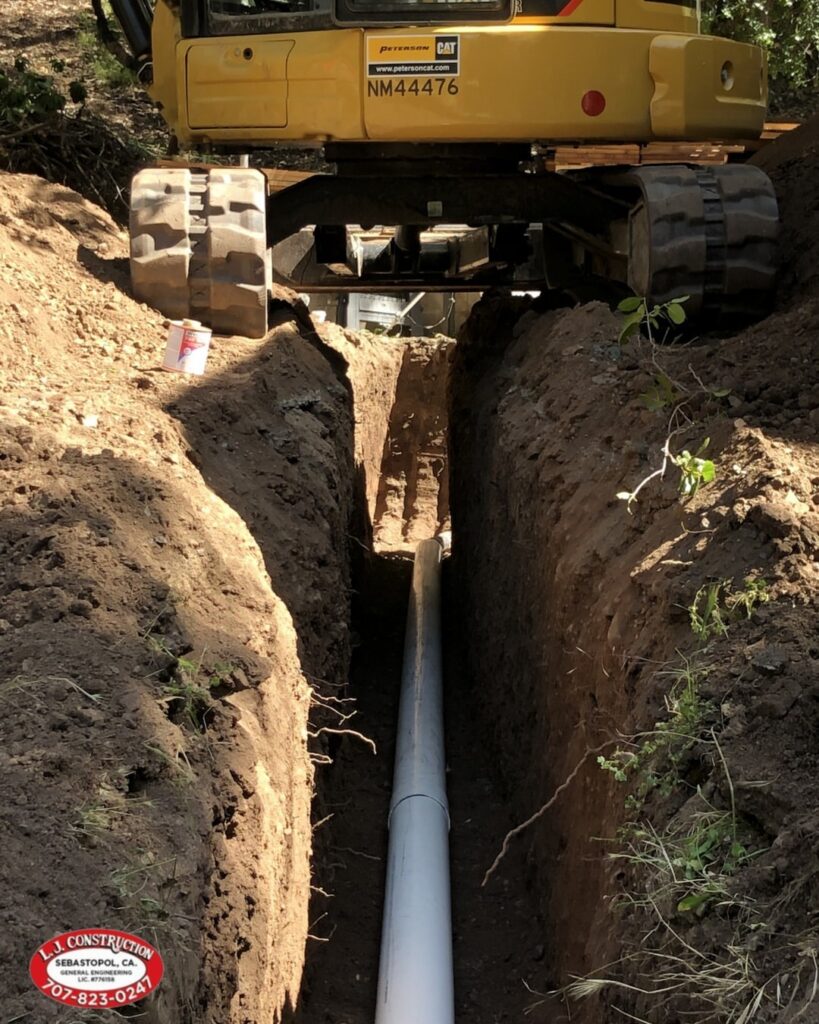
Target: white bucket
x,y
187,348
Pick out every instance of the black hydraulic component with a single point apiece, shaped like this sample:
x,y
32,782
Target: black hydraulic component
x,y
426,159
665,231
408,238
510,243
406,244
135,18
422,201
331,243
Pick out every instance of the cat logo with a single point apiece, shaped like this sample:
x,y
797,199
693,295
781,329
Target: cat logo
x,y
433,56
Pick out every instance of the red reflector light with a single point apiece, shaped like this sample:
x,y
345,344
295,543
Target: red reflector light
x,y
593,103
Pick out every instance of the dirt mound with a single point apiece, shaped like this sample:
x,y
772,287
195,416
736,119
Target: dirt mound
x,y
587,617
792,161
175,628
174,578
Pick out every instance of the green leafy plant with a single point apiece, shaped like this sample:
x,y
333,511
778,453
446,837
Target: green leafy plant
x,y
188,692
695,472
46,129
26,96
689,865
706,614
790,33
637,315
744,602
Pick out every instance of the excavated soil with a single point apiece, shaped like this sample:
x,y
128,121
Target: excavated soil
x,y
175,619
198,575
156,693
578,617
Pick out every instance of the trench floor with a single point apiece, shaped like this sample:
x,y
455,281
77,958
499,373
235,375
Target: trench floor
x,y
498,937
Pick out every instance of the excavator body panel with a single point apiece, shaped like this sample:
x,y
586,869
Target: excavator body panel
x,y
463,83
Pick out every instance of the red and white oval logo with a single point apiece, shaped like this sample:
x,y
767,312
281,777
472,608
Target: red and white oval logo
x,y
96,967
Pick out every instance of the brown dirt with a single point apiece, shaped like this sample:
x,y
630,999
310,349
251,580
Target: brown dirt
x,y
413,494
162,533
574,608
148,519
157,532
497,935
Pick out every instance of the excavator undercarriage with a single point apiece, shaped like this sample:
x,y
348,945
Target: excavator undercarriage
x,y
435,116
208,244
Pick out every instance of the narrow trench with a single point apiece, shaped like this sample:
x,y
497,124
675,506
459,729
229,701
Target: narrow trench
x,y
498,938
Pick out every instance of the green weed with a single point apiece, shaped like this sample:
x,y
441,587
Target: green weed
x,y
144,893
716,605
662,394
188,693
655,760
638,315
179,761
705,613
688,867
104,66
744,602
108,811
695,472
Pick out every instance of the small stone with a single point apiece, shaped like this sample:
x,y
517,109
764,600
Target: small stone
x,y
90,421
771,661
240,679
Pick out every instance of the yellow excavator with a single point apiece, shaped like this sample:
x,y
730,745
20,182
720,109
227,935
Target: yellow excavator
x,y
435,114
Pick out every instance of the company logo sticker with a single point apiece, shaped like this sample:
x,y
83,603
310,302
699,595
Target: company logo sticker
x,y
96,967
432,55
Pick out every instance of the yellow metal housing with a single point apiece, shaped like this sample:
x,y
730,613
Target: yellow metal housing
x,y
514,82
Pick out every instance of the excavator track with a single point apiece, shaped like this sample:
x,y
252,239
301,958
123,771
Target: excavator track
x,y
198,246
709,233
199,242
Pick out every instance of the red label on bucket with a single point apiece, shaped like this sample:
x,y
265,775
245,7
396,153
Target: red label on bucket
x,y
190,343
96,967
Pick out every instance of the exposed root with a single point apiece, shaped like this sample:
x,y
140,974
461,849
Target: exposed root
x,y
539,813
346,732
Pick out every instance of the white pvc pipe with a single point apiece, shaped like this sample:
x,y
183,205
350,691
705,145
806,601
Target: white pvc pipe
x,y
415,971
